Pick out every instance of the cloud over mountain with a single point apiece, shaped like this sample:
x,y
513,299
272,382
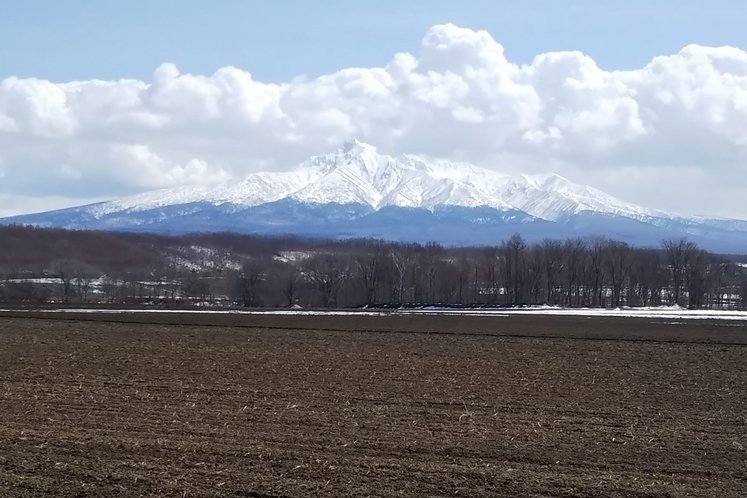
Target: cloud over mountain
x,y
675,129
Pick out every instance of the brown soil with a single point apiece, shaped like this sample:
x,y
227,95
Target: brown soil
x,y
281,406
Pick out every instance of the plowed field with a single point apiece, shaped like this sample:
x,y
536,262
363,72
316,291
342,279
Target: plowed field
x,y
293,406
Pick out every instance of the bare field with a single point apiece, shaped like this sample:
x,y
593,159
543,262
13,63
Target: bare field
x,y
286,406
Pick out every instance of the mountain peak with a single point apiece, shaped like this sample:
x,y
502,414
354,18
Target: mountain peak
x,y
354,145
546,180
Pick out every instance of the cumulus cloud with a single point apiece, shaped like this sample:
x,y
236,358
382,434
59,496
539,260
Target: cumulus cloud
x,y
156,171
641,135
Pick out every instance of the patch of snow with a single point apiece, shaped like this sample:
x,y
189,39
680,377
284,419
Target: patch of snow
x,y
198,258
57,281
292,256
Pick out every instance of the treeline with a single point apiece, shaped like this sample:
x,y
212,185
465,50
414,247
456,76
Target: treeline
x,y
574,273
38,265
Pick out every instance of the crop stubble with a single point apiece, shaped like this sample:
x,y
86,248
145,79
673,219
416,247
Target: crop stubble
x,y
271,406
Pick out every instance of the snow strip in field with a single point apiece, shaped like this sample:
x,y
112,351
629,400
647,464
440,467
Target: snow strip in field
x,y
199,312
661,313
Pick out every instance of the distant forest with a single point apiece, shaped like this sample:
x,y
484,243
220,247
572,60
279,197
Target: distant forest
x,y
39,266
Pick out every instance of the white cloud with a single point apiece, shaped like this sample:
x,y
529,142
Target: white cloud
x,y
459,96
147,169
68,171
12,205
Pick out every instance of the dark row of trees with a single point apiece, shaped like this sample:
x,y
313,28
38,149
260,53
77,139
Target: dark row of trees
x,y
575,273
230,269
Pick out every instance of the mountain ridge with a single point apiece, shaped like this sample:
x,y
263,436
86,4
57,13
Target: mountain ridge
x,y
357,173
355,191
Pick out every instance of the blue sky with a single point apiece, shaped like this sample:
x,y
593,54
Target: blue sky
x,y
281,39
171,93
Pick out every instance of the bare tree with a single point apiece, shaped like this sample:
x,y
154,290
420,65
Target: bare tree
x,y
597,269
534,274
553,255
84,275
370,267
574,251
491,267
678,253
327,272
401,257
433,256
195,287
646,280
697,277
463,273
65,270
248,280
287,279
617,258
514,268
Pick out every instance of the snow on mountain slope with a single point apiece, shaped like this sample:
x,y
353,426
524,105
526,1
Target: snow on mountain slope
x,y
255,189
552,197
358,174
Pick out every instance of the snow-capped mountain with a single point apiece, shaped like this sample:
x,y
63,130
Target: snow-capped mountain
x,y
358,174
356,191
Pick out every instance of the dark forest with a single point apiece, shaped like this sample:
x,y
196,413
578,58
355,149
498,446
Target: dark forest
x,y
40,266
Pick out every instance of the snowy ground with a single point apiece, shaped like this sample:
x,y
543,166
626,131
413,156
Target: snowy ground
x,y
662,312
